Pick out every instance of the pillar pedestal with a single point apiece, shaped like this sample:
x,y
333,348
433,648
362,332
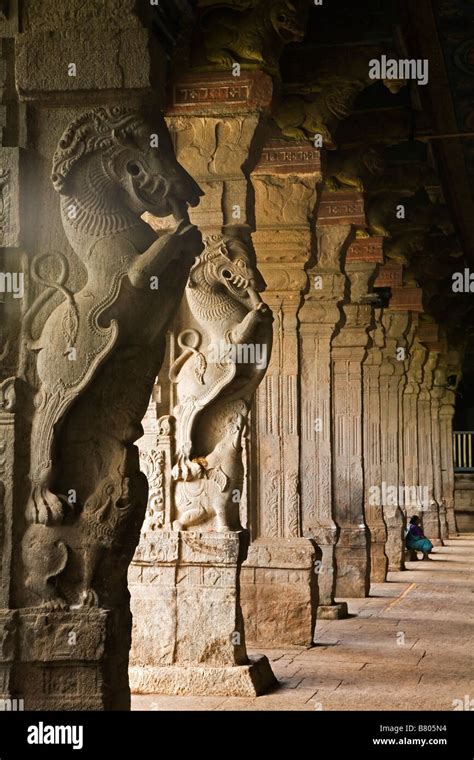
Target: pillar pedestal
x,y
65,660
279,592
187,618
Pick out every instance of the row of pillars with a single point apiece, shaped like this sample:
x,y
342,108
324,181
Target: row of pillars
x,y
351,427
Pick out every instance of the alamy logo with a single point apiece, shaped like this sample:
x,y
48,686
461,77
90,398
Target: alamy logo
x,y
12,705
464,704
41,734
405,68
12,282
463,282
239,353
393,496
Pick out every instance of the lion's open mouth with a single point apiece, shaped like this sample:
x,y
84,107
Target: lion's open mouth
x,y
236,284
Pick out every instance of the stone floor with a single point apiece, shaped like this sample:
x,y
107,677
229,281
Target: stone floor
x,y
409,646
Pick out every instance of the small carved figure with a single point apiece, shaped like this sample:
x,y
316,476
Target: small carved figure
x,y
355,169
316,107
251,32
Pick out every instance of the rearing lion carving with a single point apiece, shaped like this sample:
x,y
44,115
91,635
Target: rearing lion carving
x,y
225,355
101,348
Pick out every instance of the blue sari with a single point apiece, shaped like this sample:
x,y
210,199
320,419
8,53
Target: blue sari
x,y
416,541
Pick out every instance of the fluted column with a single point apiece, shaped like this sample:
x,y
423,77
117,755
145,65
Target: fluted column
x,y
446,415
279,585
437,393
427,448
392,384
320,317
349,351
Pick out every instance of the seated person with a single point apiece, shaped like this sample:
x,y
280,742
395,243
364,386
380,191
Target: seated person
x,y
416,540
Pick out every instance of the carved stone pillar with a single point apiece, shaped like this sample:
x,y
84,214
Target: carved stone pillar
x,y
411,427
320,317
186,575
437,393
92,338
8,495
349,351
428,448
278,581
372,436
392,384
446,415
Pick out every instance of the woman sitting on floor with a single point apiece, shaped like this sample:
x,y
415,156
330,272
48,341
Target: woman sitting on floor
x,y
416,540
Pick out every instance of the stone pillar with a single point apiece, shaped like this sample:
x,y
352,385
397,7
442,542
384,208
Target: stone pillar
x,y
446,415
8,495
185,580
349,351
408,299
278,581
440,461
392,383
411,428
372,436
428,445
320,317
85,88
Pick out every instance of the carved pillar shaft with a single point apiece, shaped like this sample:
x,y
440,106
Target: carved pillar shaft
x,y
411,441
373,507
427,452
279,582
319,319
218,351
349,351
393,380
446,416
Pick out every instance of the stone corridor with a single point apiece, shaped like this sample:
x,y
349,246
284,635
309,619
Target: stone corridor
x,y
407,645
236,354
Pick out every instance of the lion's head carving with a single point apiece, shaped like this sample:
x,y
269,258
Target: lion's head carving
x,y
288,20
128,153
225,265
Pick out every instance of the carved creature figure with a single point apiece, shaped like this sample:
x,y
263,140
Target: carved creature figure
x,y
100,349
251,32
420,215
316,107
353,168
225,356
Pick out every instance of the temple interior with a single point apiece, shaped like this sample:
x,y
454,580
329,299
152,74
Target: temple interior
x,y
269,507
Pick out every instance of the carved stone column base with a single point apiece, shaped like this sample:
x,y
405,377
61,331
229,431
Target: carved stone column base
x,y
332,611
431,525
65,660
279,592
352,562
188,635
249,680
395,544
378,558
